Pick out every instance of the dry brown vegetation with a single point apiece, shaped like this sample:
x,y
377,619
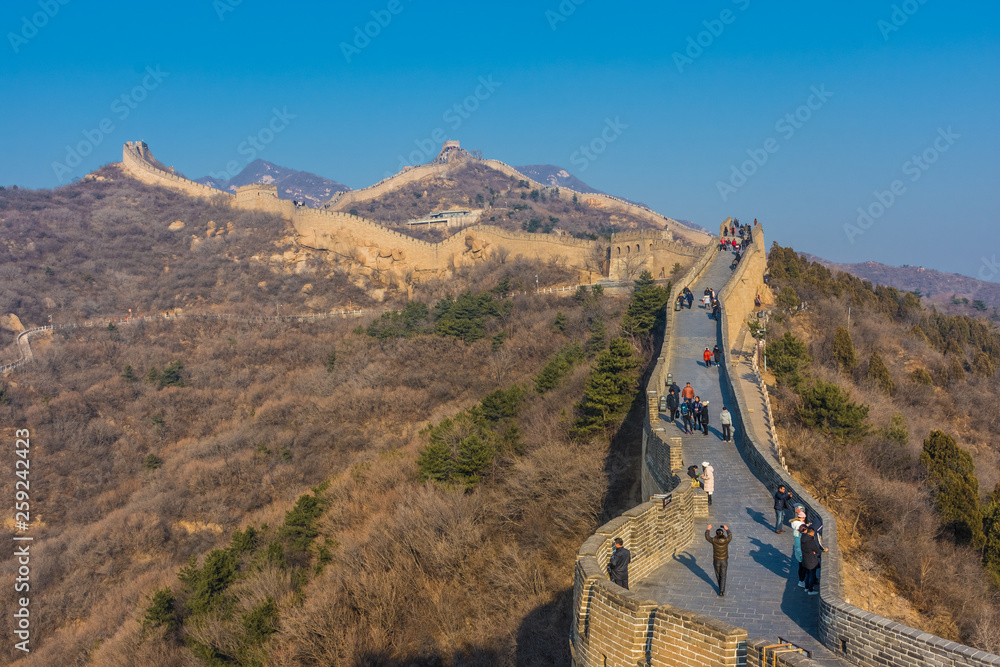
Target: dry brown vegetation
x,y
892,536
412,573
508,203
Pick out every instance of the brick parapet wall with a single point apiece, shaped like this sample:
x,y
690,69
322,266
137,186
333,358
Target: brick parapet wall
x,y
861,637
613,626
381,248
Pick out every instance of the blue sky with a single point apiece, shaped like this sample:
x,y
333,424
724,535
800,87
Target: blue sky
x,y
714,105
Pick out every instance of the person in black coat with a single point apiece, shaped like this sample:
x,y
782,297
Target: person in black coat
x,y
618,565
810,559
673,402
703,417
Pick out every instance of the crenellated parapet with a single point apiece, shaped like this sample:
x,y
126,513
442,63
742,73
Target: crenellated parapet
x,y
380,249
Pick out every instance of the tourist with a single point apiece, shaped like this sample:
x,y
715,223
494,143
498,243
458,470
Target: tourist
x,y
688,392
716,352
810,559
708,479
720,553
707,356
726,420
703,418
798,527
687,416
618,565
672,405
782,501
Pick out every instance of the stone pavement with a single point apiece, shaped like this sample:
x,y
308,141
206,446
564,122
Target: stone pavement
x,y
762,593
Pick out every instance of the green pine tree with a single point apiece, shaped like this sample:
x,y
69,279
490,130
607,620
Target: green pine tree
x,y
608,391
827,408
161,611
598,337
331,360
559,325
787,358
474,456
128,374
878,374
435,463
956,489
843,349
991,540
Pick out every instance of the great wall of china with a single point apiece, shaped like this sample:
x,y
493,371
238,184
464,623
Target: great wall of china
x,y
614,626
380,248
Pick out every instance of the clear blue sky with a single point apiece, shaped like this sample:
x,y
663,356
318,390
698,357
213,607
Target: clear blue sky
x,y
564,70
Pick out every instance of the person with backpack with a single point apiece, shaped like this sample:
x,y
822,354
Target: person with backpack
x,y
686,415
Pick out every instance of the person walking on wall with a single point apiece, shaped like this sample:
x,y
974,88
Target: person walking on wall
x,y
782,501
687,393
726,420
810,559
618,565
703,418
707,356
720,554
717,355
708,479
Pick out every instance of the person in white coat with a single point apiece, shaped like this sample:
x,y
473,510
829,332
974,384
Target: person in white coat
x,y
708,479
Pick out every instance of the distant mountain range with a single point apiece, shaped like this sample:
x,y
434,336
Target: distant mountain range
x,y
315,190
298,185
557,177
936,287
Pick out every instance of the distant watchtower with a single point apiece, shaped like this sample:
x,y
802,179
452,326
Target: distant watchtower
x,y
256,191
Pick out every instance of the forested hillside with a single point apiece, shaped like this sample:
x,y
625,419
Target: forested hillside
x,y
889,414
406,487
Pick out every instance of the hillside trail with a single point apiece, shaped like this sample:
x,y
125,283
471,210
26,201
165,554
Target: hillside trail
x,y
762,593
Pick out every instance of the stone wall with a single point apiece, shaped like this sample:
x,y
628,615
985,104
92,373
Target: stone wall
x,y
381,249
775,654
747,282
616,627
861,637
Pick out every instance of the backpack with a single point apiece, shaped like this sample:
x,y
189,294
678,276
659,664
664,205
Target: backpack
x,y
684,409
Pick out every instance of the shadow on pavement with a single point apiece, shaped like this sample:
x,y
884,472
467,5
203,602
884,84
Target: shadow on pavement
x,y
688,561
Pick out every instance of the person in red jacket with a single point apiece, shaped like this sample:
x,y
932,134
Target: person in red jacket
x,y
707,356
